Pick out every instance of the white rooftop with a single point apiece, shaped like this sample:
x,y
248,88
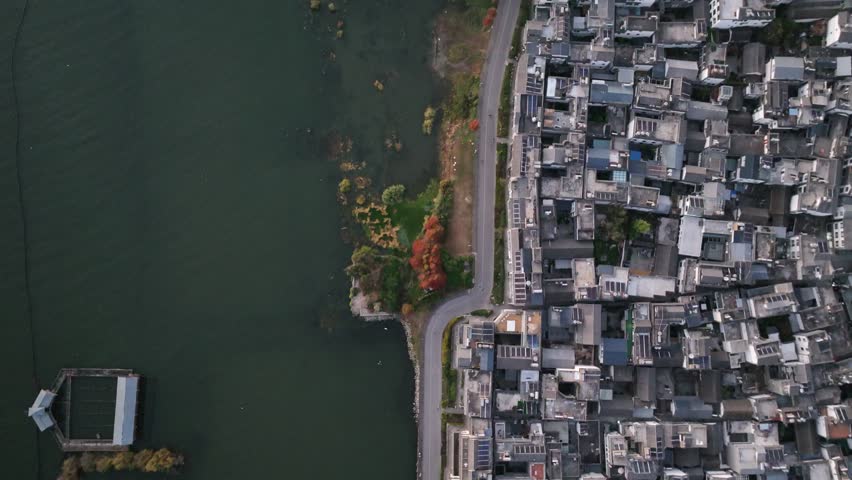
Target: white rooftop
x,y
125,410
40,411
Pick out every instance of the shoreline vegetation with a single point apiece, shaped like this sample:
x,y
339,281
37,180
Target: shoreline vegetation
x,y
147,461
411,249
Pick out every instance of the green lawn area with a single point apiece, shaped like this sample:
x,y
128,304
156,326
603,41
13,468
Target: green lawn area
x,y
409,214
459,271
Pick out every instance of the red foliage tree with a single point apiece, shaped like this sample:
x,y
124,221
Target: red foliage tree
x,y
474,125
489,17
426,256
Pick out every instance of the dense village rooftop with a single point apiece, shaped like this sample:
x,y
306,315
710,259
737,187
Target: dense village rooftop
x,y
677,257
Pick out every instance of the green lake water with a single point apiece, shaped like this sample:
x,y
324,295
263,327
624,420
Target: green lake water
x,y
179,218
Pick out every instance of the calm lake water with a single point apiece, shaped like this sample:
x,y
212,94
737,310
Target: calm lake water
x,y
181,220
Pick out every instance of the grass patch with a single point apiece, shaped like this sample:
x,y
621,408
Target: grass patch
x,y
475,11
451,379
463,98
482,312
458,53
394,275
450,374
502,157
498,289
410,214
504,113
459,271
524,15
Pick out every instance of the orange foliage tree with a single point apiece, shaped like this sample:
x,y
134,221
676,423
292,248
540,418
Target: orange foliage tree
x,y
426,256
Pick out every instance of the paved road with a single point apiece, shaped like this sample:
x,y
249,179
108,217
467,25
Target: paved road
x,y
483,233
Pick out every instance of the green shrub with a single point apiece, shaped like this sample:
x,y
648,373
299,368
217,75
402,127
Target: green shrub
x,y
639,227
393,195
504,112
450,375
443,206
498,289
464,98
344,186
428,120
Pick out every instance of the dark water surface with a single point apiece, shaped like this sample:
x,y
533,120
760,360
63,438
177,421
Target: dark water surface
x,y
181,221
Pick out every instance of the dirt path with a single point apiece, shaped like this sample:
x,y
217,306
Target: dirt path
x,y
457,157
460,50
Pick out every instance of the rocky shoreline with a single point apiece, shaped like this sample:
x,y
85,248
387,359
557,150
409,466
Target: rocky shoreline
x,y
415,405
412,354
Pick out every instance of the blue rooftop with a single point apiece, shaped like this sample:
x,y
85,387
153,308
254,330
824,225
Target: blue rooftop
x,y
614,351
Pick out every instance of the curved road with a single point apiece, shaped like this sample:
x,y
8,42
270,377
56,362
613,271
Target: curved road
x,y
483,233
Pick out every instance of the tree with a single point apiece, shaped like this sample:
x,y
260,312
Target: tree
x,y
428,120
162,460
426,256
103,464
639,227
393,194
392,281
315,5
612,228
122,460
443,203
782,32
87,462
141,458
70,469
363,261
344,186
407,309
489,17
365,268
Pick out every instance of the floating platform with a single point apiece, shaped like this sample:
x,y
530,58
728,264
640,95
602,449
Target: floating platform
x,y
90,409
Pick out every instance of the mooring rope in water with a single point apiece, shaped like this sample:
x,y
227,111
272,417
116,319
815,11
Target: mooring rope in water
x,y
24,213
